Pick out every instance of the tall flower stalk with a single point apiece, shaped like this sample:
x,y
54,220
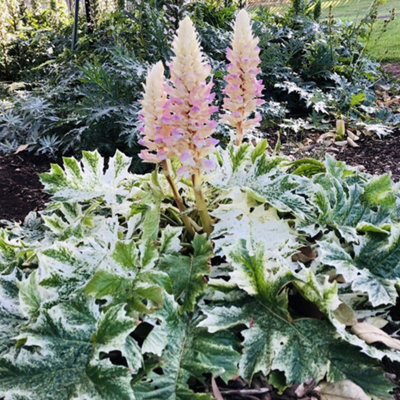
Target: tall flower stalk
x,y
243,90
189,111
156,134
178,120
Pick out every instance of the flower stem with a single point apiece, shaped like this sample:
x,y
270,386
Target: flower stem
x,y
201,204
239,134
178,199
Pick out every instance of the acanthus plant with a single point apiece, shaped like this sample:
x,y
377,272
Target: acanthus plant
x,y
177,116
106,295
183,126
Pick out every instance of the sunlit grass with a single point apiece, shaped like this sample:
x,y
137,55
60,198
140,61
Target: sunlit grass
x,y
355,9
383,45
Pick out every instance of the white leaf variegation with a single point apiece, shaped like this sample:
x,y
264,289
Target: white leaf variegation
x,y
243,219
11,314
303,249
375,267
64,364
89,181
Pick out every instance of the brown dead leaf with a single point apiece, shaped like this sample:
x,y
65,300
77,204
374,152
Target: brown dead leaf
x,y
342,390
345,315
340,279
303,389
371,334
351,142
327,137
352,136
379,322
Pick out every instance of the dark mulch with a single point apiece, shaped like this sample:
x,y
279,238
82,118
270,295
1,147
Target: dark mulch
x,y
377,156
20,188
374,155
394,69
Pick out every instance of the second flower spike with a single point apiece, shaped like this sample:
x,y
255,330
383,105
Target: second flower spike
x,y
243,90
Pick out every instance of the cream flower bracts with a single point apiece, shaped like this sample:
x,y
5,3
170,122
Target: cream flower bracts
x,y
177,116
189,103
156,135
243,90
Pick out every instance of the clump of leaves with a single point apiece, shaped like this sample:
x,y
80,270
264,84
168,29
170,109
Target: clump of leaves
x,y
109,296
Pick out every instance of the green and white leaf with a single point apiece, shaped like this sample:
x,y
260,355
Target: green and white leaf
x,y
11,316
188,273
112,333
190,351
346,201
86,180
244,219
57,360
375,267
302,349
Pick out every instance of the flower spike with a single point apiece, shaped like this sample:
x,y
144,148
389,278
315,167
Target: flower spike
x,y
155,133
189,109
243,90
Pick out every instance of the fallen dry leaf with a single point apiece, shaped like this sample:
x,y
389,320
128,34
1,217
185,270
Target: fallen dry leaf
x,y
372,334
342,390
345,315
352,136
302,390
352,143
21,148
379,322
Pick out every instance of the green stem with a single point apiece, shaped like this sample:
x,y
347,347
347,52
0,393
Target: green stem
x,y
201,204
178,199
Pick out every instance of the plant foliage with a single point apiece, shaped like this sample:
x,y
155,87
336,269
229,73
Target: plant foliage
x,y
103,297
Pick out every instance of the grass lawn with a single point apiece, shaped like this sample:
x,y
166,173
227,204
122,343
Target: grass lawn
x,y
349,10
385,47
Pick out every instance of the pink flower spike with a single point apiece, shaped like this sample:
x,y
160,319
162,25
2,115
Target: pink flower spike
x,y
189,106
183,171
208,164
165,119
155,129
212,124
243,89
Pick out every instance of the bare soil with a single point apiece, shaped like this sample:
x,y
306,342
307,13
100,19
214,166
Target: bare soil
x,y
393,69
20,188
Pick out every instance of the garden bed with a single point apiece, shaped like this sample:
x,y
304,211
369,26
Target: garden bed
x,y
21,191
